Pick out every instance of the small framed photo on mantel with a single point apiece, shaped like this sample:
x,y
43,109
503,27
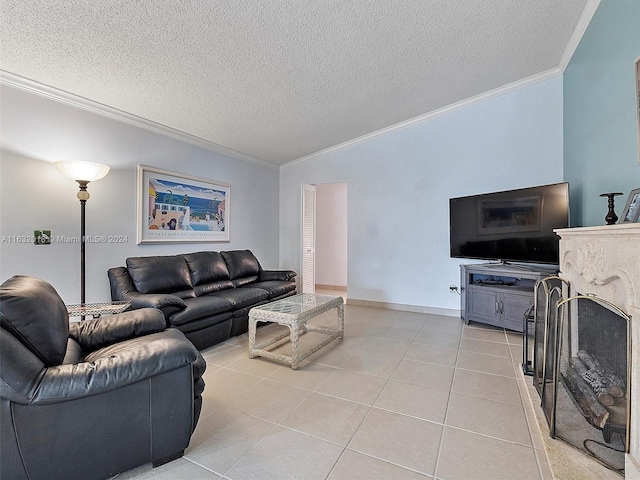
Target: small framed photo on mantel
x,y
631,211
173,207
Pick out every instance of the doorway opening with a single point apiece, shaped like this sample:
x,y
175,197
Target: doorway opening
x,y
324,245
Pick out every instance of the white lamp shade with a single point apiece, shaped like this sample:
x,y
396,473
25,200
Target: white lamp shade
x,y
86,171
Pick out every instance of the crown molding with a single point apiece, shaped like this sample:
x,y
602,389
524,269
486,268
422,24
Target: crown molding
x,y
540,77
578,32
31,86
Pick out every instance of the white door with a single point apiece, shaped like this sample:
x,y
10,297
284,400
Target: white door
x,y
308,238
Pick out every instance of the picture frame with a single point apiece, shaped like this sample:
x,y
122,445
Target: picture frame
x,y
521,214
173,207
631,212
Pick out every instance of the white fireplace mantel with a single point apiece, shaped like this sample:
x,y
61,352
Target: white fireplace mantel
x,y
605,261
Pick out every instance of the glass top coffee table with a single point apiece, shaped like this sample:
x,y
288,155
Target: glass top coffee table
x,y
96,310
294,312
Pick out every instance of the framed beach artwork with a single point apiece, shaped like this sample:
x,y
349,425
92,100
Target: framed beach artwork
x,y
180,208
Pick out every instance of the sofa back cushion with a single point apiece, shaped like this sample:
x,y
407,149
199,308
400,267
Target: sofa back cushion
x,y
33,312
243,266
209,272
161,274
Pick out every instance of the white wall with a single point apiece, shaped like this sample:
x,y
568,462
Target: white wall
x,y
399,185
331,234
35,195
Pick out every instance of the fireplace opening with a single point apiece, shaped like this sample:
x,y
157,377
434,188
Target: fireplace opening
x,y
591,373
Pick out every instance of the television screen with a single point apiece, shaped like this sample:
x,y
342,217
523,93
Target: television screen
x,y
513,225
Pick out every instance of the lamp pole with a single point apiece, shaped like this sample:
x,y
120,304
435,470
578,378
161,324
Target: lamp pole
x,y
83,173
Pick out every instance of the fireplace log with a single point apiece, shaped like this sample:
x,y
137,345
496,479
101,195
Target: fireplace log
x,y
616,386
593,379
591,408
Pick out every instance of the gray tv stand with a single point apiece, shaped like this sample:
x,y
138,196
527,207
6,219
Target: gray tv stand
x,y
499,294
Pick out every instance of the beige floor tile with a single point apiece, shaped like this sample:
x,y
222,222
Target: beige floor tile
x,y
393,348
333,355
482,385
286,453
398,439
396,332
240,340
270,401
495,419
313,376
516,338
445,338
490,334
224,385
210,405
259,366
220,440
180,468
543,465
432,321
415,400
487,348
353,386
432,354
516,354
327,418
427,374
411,320
372,364
466,455
356,466
223,354
479,362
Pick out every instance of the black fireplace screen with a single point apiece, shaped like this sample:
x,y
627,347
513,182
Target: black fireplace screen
x,y
591,399
548,292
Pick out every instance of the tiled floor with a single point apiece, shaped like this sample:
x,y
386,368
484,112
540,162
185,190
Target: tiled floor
x,y
403,396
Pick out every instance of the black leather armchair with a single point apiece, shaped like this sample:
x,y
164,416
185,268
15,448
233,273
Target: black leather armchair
x,y
94,398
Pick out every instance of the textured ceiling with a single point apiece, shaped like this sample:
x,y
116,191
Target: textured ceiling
x,y
278,80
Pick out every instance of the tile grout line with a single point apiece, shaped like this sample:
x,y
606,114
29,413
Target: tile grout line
x,y
446,413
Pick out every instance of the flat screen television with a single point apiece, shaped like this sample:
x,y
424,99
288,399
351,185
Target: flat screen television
x,y
510,226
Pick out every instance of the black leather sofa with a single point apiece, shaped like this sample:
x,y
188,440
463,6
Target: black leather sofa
x,y
94,398
206,295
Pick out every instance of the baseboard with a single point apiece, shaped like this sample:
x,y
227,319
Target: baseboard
x,y
449,312
321,286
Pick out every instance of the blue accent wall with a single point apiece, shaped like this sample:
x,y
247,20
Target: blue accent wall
x,y
600,126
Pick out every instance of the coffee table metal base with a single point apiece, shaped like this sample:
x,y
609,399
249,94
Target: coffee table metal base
x,y
294,312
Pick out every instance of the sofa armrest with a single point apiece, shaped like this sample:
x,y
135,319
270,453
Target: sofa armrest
x,y
161,301
123,289
118,366
99,332
283,275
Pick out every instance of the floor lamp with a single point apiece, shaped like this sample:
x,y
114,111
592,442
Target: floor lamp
x,y
83,173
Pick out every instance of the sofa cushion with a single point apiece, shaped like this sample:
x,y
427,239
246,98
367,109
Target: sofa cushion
x,y
34,313
275,287
209,272
242,297
200,307
161,274
206,322
243,266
